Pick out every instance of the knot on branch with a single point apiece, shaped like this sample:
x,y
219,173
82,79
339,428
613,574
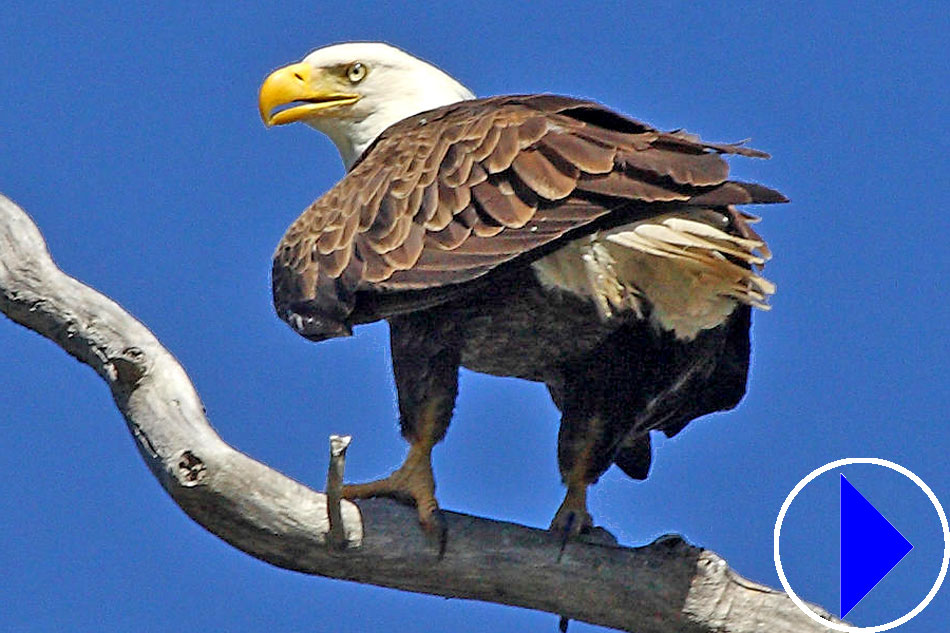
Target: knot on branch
x,y
191,470
130,366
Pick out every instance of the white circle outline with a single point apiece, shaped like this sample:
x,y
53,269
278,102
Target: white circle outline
x,y
876,462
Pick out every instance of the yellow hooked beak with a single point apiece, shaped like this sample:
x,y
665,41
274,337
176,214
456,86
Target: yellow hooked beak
x,y
307,92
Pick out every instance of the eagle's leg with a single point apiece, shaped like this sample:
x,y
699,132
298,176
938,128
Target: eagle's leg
x,y
425,365
578,444
599,396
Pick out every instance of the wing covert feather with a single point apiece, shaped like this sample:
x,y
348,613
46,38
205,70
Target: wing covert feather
x,y
448,195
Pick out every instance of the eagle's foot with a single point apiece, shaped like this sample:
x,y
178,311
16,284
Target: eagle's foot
x,y
571,522
411,484
572,518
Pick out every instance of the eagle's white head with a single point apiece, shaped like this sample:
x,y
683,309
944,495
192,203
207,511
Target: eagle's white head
x,y
352,92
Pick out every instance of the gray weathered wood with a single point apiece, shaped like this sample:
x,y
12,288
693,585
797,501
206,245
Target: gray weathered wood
x,y
666,586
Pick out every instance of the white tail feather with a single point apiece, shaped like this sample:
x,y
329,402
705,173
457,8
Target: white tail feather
x,y
692,273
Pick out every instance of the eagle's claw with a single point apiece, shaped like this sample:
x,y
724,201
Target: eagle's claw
x,y
571,520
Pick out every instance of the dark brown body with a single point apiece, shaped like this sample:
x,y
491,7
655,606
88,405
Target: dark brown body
x,y
623,372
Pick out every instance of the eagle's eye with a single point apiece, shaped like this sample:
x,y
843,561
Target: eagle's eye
x,y
355,72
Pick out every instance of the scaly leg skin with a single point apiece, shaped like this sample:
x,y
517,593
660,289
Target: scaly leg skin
x,y
411,483
572,518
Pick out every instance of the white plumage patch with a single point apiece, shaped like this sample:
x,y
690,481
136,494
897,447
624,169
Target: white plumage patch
x,y
397,86
691,273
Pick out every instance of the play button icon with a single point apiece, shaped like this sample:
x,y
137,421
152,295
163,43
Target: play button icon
x,y
870,546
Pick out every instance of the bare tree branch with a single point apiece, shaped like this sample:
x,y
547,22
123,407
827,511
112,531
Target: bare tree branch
x,y
663,587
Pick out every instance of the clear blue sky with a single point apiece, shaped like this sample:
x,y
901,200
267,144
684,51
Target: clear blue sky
x,y
130,133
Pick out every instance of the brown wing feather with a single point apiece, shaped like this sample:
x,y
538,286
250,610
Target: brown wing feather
x,y
446,196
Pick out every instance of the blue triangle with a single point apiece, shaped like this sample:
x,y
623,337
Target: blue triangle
x,y
870,547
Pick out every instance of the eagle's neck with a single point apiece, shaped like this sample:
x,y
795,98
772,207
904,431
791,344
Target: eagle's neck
x,y
353,135
350,140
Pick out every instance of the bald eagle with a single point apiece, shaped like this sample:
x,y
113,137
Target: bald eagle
x,y
536,236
